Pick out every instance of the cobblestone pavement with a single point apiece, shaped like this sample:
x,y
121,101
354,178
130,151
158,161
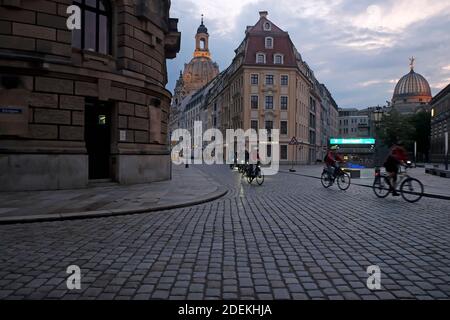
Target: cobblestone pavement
x,y
287,239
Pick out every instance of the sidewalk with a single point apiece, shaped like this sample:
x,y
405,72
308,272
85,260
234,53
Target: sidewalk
x,y
189,186
433,185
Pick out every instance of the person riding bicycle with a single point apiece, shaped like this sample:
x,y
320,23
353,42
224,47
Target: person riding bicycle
x,y
331,161
397,157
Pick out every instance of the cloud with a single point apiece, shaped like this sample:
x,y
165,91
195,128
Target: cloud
x,y
357,48
221,15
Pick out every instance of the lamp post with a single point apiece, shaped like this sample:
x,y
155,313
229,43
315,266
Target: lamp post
x,y
446,150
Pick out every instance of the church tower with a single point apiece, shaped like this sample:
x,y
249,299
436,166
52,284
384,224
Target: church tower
x,y
201,69
202,42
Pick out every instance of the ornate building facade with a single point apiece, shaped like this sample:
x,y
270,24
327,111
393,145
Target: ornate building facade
x,y
196,74
88,105
269,86
440,124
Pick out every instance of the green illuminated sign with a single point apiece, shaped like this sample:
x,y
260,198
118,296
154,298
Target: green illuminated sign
x,y
353,141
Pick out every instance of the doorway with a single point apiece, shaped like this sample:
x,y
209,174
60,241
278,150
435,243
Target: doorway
x,y
98,139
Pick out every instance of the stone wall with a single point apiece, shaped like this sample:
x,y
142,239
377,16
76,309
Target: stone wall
x,y
57,80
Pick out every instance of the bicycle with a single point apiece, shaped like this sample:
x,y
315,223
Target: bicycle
x,y
328,179
254,172
411,189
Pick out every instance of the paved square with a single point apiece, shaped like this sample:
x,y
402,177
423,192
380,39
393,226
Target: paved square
x,y
287,239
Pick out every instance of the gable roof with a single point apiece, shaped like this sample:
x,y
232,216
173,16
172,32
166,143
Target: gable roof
x,y
282,44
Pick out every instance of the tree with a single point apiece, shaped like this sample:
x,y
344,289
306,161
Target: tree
x,y
407,129
422,129
395,128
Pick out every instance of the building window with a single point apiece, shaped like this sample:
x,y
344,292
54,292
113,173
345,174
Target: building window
x,y
269,79
254,125
284,80
283,127
269,150
254,79
283,102
284,152
254,102
95,32
260,58
269,102
267,26
278,59
269,43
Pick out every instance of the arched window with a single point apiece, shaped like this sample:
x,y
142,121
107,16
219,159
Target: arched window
x,y
95,33
202,43
269,43
267,26
278,58
260,58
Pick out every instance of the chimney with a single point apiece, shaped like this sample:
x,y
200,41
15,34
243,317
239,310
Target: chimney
x,y
263,14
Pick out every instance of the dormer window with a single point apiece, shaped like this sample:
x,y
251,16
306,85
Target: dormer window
x,y
269,43
278,59
260,58
267,26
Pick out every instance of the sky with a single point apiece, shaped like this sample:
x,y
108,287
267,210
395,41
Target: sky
x,y
358,49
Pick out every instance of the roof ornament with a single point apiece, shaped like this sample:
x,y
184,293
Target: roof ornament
x,y
202,19
411,63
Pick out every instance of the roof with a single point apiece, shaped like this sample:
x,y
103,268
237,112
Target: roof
x,y
412,84
281,44
441,94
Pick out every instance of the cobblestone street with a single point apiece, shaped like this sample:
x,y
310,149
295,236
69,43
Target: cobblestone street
x,y
287,239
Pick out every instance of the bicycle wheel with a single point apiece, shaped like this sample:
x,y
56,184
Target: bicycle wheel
x,y
411,190
326,180
344,181
381,187
249,179
260,178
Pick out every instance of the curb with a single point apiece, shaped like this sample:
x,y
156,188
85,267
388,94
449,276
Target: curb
x,y
426,195
222,191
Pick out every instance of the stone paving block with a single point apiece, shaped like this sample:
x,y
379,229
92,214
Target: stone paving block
x,y
270,242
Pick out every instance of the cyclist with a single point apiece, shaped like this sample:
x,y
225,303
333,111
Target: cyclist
x,y
331,161
397,157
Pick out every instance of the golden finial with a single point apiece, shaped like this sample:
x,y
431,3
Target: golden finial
x,y
411,63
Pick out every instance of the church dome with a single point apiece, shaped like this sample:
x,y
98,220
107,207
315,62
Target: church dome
x,y
412,85
198,72
202,29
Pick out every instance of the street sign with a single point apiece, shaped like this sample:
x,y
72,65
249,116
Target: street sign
x,y
294,142
352,141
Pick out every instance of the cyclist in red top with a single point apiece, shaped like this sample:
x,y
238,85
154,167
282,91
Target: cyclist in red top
x,y
397,157
331,160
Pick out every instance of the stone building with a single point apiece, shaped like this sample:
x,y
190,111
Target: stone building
x,y
196,74
412,93
440,124
269,86
353,123
88,105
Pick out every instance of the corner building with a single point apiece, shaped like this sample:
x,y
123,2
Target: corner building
x,y
89,105
269,86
